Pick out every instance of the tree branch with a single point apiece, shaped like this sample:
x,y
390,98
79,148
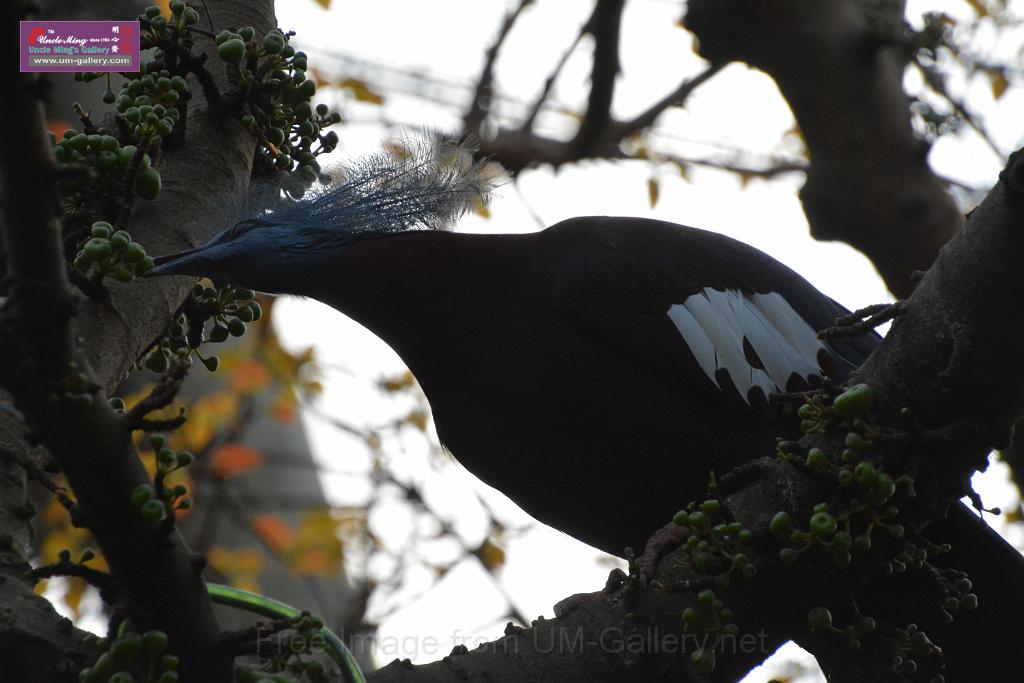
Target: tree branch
x,y
549,82
624,129
869,184
474,118
604,25
599,135
62,393
85,437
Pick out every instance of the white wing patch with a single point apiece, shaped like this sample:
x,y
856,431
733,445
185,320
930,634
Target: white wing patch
x,y
714,324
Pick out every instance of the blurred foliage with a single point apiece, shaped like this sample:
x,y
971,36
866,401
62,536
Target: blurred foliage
x,y
321,541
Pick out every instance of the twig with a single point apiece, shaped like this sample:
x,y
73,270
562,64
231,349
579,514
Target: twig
x,y
474,118
247,640
538,221
550,82
934,81
161,396
128,185
776,169
675,98
197,65
105,582
167,425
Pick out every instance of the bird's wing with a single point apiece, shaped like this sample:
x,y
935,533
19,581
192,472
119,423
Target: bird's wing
x,y
757,339
720,315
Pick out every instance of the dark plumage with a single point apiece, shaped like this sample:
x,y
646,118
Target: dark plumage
x,y
550,358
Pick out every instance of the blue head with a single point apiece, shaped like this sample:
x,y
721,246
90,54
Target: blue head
x,y
424,187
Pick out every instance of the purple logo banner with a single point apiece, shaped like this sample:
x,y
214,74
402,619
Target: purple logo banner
x,y
79,46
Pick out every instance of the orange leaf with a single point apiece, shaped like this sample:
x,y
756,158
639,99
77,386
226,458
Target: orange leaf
x,y
249,376
652,191
233,459
979,7
398,382
418,419
241,561
273,530
490,555
362,91
312,562
241,567
316,548
206,417
999,83
57,127
283,408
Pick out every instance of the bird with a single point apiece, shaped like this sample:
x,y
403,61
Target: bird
x,y
596,372
553,360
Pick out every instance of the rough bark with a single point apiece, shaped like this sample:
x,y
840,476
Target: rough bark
x,y
204,182
36,643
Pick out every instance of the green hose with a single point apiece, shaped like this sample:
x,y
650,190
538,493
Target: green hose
x,y
268,607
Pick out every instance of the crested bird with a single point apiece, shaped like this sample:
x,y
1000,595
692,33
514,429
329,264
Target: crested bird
x,y
595,372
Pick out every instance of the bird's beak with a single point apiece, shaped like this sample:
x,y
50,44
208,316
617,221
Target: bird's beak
x,y
175,264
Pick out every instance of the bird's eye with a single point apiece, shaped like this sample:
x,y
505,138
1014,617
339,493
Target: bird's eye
x,y
241,227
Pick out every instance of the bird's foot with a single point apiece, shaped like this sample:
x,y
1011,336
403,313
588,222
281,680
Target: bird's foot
x,y
863,321
665,539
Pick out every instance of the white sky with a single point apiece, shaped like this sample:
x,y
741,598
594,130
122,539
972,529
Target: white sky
x,y
739,109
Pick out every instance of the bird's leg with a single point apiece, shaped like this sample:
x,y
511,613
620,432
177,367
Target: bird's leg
x,y
862,320
641,569
665,539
